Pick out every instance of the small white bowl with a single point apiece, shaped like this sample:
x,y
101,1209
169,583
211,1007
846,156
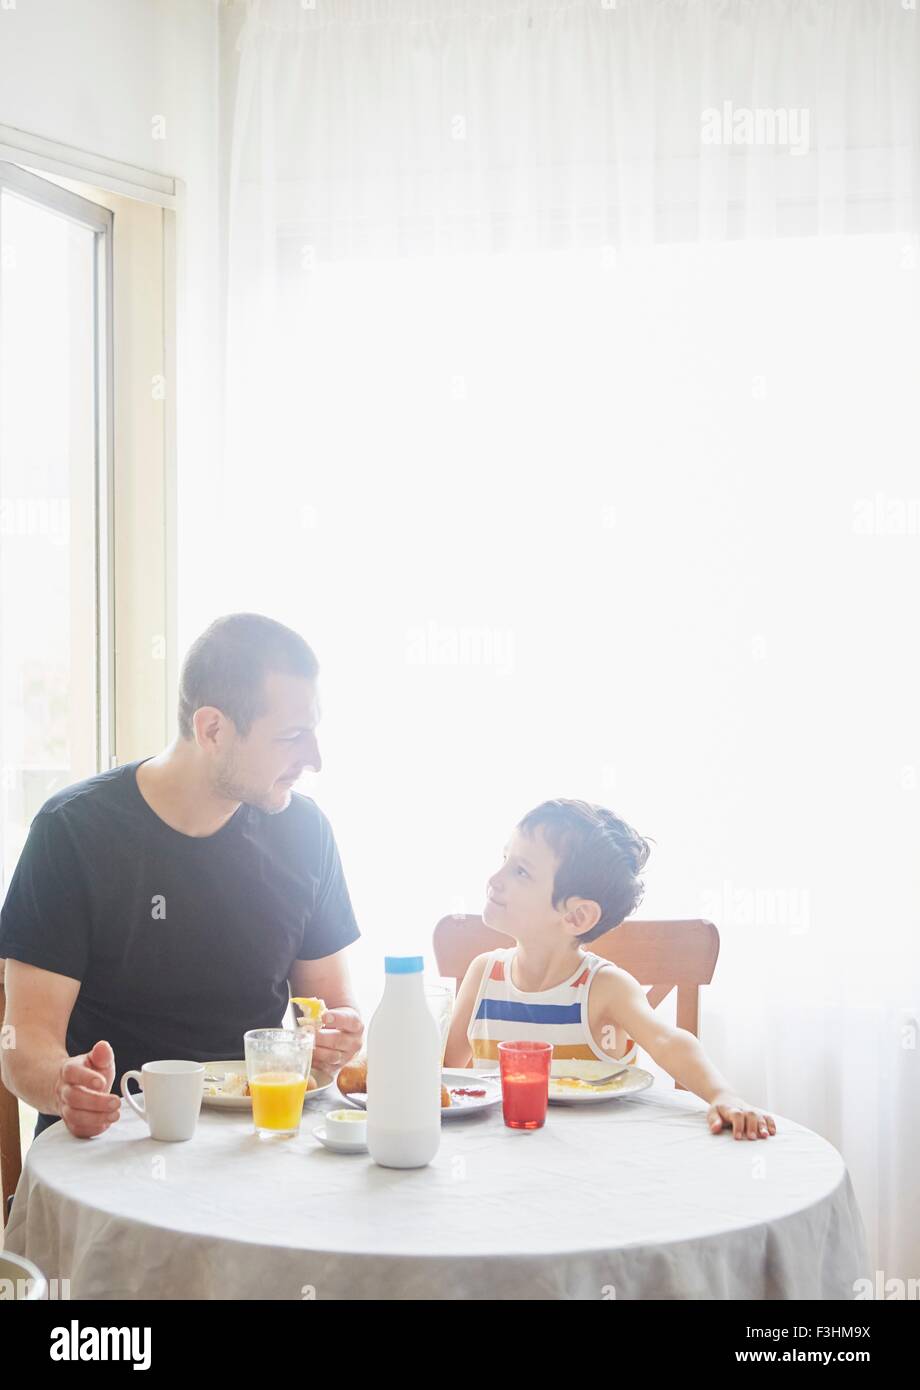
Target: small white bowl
x,y
343,1129
339,1146
347,1125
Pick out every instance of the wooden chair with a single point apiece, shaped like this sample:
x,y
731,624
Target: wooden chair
x,y
677,955
10,1138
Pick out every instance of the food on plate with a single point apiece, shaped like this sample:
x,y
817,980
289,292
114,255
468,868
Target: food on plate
x,y
352,1080
236,1083
577,1083
233,1083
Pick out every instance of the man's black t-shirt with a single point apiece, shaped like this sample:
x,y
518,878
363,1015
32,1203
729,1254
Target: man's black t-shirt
x,y
180,943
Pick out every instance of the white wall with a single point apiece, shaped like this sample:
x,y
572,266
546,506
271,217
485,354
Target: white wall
x,y
95,73
136,81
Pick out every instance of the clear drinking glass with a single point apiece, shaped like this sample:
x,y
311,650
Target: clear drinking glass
x,y
441,1003
278,1065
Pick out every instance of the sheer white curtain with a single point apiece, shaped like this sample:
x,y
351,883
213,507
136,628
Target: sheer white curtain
x,y
570,414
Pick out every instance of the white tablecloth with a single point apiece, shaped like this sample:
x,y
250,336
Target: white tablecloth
x,y
631,1199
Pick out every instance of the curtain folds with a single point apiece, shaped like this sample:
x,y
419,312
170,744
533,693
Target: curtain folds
x,y
580,338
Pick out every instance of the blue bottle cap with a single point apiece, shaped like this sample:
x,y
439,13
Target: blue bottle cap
x,y
403,965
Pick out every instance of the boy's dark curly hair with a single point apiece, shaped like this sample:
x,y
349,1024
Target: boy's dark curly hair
x,y
600,858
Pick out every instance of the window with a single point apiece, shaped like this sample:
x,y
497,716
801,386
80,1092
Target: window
x,y
55,514
640,530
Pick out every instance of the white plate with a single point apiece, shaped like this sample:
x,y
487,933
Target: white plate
x,y
631,1082
336,1145
244,1103
460,1105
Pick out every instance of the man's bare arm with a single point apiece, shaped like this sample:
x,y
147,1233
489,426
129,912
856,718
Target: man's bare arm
x,y
34,1062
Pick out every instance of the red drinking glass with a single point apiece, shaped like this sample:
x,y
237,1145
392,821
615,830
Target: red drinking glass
x,y
524,1070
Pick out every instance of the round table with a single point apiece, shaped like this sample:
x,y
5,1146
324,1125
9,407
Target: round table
x,y
631,1199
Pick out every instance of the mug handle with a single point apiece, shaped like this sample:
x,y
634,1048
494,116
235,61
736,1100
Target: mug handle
x,y
129,1096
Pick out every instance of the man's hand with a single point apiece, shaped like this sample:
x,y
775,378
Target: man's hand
x,y
744,1118
339,1040
83,1092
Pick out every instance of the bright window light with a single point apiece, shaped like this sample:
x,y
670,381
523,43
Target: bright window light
x,y
639,528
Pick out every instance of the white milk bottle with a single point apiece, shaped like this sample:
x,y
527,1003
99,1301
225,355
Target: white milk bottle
x,y
403,1071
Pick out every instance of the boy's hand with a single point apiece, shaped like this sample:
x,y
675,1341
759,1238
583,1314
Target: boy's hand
x,y
744,1118
339,1039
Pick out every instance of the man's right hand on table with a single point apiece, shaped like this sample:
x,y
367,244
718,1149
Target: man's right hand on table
x,y
83,1092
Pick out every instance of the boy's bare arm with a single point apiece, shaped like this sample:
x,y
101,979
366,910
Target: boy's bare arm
x,y
458,1052
679,1053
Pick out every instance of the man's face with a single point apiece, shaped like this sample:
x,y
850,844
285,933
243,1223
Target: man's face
x,y
262,767
520,893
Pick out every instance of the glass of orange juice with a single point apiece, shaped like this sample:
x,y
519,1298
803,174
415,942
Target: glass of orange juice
x,y
278,1065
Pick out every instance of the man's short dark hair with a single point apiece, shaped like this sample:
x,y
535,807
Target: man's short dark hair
x,y
600,858
226,667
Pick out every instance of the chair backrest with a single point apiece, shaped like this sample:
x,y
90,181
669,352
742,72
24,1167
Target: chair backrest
x,y
10,1138
677,955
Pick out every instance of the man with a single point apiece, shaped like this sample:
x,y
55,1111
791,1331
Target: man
x,y
162,908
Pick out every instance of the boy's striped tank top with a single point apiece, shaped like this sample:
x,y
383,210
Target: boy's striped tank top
x,y
503,1013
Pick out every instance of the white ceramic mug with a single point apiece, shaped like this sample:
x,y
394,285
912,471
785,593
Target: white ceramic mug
x,y
172,1097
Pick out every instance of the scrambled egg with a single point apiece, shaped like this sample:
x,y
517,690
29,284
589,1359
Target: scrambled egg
x,y
572,1083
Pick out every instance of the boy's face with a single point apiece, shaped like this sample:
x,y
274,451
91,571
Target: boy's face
x,y
520,893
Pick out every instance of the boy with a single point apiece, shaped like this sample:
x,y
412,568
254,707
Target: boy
x,y
570,874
